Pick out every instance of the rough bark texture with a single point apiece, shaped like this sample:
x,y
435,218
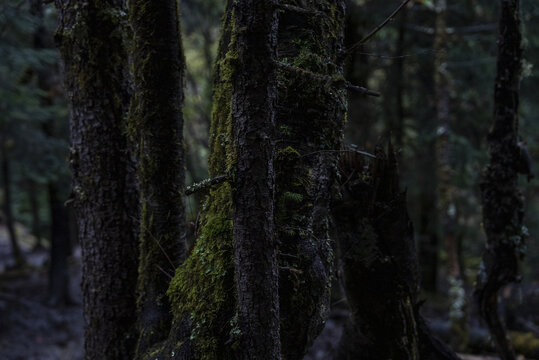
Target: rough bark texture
x,y
202,291
156,124
253,116
309,120
502,201
376,245
58,271
91,41
380,269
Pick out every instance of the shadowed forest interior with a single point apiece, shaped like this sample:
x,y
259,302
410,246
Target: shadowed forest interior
x,y
269,179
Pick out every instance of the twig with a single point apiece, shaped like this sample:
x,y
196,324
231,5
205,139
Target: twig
x,y
528,325
362,90
354,151
289,255
378,28
337,82
145,228
291,269
204,184
164,272
297,9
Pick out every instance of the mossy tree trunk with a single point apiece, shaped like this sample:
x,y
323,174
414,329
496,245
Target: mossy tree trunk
x,y
380,269
309,119
502,201
91,40
156,124
253,118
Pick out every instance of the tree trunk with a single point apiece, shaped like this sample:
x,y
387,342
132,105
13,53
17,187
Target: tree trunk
x,y
396,86
502,201
310,121
380,269
428,224
253,116
58,271
33,198
156,123
446,190
10,223
91,38
310,115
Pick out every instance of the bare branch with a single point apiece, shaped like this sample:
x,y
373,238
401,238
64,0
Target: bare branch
x,y
378,28
205,184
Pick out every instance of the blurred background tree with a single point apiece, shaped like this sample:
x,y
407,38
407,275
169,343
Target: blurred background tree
x,y
33,118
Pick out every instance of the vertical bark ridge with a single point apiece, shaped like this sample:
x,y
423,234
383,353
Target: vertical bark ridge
x,y
156,124
253,116
91,38
309,121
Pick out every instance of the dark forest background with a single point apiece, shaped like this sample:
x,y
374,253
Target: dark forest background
x,y
433,52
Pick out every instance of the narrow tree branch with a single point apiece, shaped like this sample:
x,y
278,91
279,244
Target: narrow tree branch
x,y
378,28
297,9
354,151
362,90
205,184
330,81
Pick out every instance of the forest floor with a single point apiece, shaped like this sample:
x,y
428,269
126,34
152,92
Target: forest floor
x,y
30,329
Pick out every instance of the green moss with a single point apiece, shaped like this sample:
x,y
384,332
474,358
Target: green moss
x,y
203,287
525,343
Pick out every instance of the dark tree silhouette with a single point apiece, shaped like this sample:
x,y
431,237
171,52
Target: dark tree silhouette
x,y
502,201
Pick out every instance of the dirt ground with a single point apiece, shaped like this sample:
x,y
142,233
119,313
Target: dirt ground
x,y
30,329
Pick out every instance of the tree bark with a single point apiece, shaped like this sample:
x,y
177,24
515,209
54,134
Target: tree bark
x,y
33,198
310,121
380,269
156,123
91,39
253,116
502,201
310,116
58,271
